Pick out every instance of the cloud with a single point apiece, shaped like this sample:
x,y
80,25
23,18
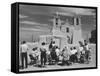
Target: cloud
x,y
77,11
32,23
30,29
36,25
22,16
65,14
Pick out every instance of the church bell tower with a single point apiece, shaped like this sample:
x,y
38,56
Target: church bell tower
x,y
56,21
77,23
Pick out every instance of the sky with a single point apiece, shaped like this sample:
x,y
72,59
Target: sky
x,y
40,18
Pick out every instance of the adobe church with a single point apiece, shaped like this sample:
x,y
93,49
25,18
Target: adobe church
x,y
66,34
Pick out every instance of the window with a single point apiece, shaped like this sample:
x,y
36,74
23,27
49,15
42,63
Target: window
x,y
56,21
67,29
77,21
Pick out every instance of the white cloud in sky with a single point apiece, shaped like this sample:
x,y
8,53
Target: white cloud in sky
x,y
31,29
77,11
22,16
65,14
32,23
38,26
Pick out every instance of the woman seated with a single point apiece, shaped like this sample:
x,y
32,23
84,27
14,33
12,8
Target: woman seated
x,y
73,57
53,55
66,56
34,55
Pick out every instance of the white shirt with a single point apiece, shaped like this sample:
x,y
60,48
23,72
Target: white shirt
x,y
87,47
73,51
57,52
53,44
80,49
24,48
35,53
43,47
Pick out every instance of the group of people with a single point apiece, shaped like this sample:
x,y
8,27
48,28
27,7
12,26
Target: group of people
x,y
54,55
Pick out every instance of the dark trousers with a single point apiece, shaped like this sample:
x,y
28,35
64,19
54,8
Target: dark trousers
x,y
43,58
53,55
73,58
24,57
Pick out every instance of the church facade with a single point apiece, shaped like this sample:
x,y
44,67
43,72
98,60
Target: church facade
x,y
66,34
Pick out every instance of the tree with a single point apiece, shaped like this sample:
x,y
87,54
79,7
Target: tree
x,y
93,36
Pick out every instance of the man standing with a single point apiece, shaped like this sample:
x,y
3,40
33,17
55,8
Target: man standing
x,y
50,46
43,55
24,49
87,52
57,50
